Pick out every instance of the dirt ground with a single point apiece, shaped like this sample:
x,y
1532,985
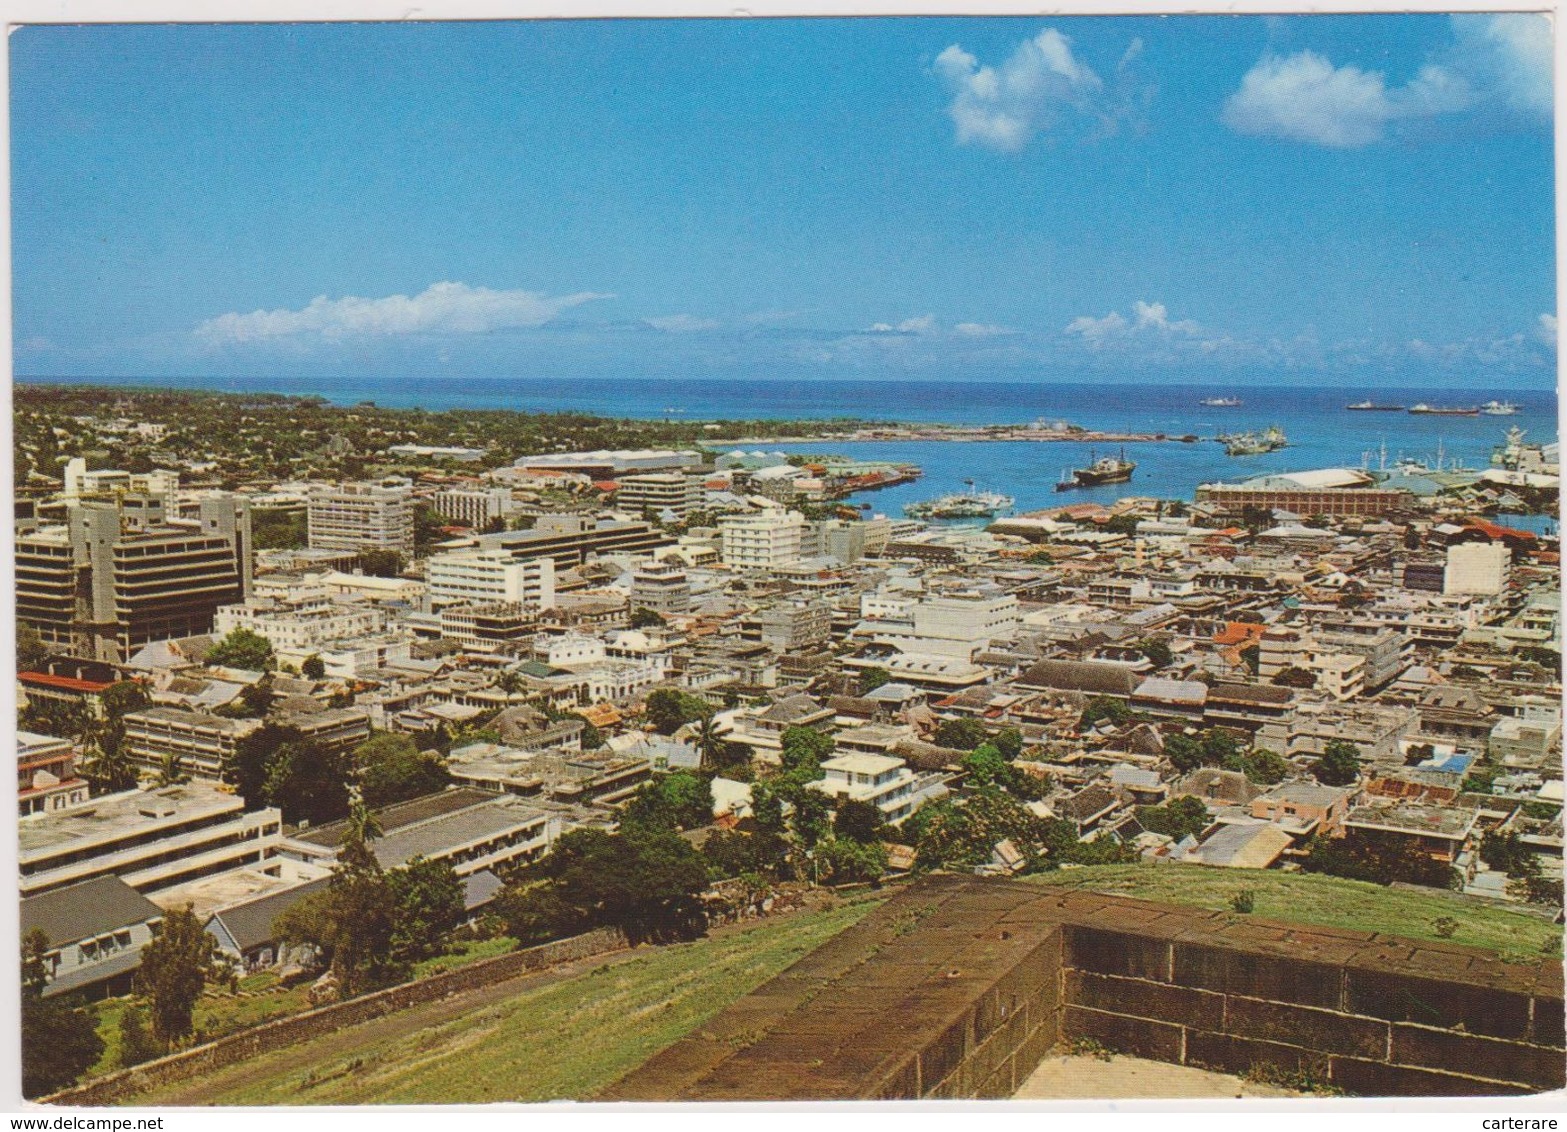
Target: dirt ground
x,y
1076,1077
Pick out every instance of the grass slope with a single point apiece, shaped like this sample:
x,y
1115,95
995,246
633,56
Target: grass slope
x,y
1315,899
564,1039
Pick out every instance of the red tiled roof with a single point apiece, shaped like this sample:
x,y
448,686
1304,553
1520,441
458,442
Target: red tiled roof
x,y
64,683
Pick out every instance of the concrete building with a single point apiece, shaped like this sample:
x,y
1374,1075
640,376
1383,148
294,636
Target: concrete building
x,y
885,782
1477,568
489,626
571,540
472,830
150,839
474,507
93,935
298,616
489,575
203,744
362,516
46,778
659,492
605,465
761,541
435,452
116,576
663,587
789,625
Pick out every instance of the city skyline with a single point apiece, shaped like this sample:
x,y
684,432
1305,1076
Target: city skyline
x,y
1261,199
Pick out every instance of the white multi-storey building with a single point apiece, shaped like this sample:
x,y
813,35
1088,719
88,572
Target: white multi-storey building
x,y
1476,568
474,508
762,541
490,576
675,492
885,782
150,839
357,516
298,616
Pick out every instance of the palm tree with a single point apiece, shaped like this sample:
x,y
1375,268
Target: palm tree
x,y
709,741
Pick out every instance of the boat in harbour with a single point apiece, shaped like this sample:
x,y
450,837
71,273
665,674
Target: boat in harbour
x,y
1370,406
1222,402
961,505
1499,409
1255,444
1103,470
1445,410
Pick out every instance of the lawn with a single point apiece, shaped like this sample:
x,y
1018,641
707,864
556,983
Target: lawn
x,y
1315,899
559,1039
262,999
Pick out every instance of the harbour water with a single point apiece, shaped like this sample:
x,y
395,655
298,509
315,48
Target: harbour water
x,y
1321,431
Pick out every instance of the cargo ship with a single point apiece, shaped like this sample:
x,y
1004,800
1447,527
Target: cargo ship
x,y
1444,410
1370,406
1106,469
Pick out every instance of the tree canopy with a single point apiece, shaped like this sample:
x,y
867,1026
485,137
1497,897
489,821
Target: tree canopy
x,y
175,967
59,1042
241,648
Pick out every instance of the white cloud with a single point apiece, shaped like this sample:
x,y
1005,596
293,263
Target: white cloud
x,y
1545,329
980,330
924,324
681,323
1304,97
441,308
1149,321
1500,62
1003,107
1508,55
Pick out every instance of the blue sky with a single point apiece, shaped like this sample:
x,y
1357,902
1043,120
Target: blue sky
x,y
1354,199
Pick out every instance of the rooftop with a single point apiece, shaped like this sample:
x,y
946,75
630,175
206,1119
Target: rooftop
x,y
116,816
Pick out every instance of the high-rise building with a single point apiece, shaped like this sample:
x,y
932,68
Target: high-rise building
x,y
485,576
476,508
1477,568
117,575
361,516
570,540
662,587
761,541
658,492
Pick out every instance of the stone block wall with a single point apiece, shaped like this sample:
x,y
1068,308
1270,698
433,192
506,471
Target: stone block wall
x,y
959,986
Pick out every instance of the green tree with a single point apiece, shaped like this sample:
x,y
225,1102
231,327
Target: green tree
x,y
642,618
380,562
1184,752
812,818
241,648
1266,767
1157,652
962,734
961,833
1103,707
984,766
1293,677
248,768
1339,764
1009,742
730,853
680,800
669,709
1178,818
390,769
32,655
643,881
843,860
804,749
858,821
59,1042
710,741
352,923
873,678
428,898
308,782
313,668
175,967
136,1042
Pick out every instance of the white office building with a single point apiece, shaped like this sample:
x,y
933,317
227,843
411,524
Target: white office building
x,y
360,516
482,576
762,541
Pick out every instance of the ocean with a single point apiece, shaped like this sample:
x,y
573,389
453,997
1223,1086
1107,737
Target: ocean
x,y
1321,432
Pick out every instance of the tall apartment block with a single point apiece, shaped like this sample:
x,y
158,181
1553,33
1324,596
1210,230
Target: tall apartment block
x,y
117,575
361,516
657,492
